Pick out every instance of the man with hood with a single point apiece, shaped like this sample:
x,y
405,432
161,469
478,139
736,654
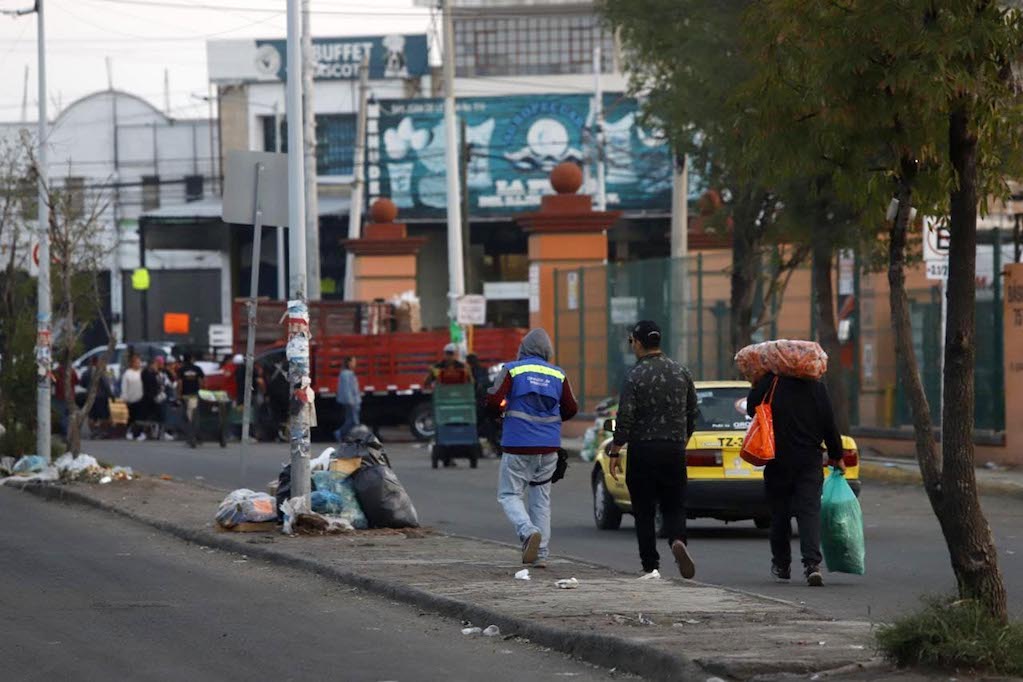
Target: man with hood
x,y
536,397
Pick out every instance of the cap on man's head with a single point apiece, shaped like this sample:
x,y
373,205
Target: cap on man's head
x,y
451,348
647,333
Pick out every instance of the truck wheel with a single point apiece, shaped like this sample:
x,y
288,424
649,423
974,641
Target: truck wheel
x,y
606,513
420,422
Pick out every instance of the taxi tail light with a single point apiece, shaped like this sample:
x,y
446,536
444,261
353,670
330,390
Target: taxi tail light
x,y
704,458
851,458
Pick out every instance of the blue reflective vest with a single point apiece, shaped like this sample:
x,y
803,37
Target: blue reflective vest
x,y
532,417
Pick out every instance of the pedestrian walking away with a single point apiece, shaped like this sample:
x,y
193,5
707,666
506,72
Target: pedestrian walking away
x,y
656,418
537,398
349,397
803,419
190,382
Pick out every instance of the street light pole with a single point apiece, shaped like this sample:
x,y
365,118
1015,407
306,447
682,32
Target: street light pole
x,y
43,345
456,271
298,309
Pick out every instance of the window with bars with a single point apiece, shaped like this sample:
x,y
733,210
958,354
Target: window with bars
x,y
335,142
522,46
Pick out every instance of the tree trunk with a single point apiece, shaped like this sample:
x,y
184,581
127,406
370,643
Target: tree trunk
x,y
827,327
74,432
971,545
745,269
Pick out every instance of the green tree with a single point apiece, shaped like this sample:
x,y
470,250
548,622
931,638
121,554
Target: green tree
x,y
918,99
684,60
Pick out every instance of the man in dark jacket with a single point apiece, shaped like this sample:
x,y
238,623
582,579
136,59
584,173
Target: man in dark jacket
x,y
539,398
803,419
656,417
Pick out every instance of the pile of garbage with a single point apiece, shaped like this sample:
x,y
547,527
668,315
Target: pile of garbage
x,y
784,357
65,469
353,488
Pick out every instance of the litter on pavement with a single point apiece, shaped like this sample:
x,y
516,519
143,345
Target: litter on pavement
x,y
245,506
523,575
567,584
492,631
66,468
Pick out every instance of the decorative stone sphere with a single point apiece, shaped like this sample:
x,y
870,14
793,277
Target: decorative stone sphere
x,y
383,210
567,178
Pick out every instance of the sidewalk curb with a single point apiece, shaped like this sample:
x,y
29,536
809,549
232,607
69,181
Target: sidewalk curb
x,y
909,474
607,651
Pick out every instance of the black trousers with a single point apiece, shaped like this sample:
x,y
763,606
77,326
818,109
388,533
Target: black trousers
x,y
794,489
656,475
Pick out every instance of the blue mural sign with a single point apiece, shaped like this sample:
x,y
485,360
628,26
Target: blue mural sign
x,y
394,56
514,141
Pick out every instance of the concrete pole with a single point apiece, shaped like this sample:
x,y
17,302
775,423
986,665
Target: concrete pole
x,y
298,310
282,285
598,124
312,212
359,171
43,346
680,258
456,272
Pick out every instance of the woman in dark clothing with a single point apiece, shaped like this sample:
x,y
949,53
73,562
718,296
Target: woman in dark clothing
x,y
99,414
803,419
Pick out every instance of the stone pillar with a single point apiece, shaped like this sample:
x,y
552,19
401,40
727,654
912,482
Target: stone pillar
x,y
1012,324
565,234
385,258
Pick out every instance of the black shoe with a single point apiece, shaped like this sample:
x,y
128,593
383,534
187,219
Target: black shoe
x,y
814,577
686,567
781,572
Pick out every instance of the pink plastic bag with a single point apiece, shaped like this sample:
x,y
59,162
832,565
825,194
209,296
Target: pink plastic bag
x,y
801,359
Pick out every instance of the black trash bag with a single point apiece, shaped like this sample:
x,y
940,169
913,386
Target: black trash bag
x,y
383,499
361,442
283,490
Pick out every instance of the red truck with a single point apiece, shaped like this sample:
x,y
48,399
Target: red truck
x,y
391,370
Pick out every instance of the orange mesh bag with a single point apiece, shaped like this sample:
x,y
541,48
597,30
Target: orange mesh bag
x,y
758,445
784,357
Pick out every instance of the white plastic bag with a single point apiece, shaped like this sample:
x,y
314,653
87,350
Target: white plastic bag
x,y
322,463
291,509
246,506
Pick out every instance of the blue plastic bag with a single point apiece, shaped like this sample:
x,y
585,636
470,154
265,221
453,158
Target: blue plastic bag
x,y
30,464
326,502
340,486
842,527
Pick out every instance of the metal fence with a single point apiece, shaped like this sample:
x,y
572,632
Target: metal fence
x,y
596,306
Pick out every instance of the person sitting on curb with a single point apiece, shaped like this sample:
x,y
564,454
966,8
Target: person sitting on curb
x,y
539,398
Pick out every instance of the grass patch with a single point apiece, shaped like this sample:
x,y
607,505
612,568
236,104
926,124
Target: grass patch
x,y
953,634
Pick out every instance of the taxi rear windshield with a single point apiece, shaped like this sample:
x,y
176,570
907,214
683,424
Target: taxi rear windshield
x,y
721,409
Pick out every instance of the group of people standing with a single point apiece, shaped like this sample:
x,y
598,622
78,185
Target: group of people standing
x,y
657,415
147,389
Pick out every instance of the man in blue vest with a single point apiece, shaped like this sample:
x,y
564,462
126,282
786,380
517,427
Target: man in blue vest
x,y
536,398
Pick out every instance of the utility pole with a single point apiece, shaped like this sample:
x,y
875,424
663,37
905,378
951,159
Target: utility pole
x,y
598,136
43,338
24,98
680,257
456,273
312,211
463,175
282,287
298,310
359,171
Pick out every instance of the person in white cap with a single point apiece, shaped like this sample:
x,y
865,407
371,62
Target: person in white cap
x,y
450,370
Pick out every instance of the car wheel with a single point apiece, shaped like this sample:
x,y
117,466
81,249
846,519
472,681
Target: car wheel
x,y
421,422
606,513
762,522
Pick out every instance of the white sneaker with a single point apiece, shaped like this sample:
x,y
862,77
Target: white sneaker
x,y
142,437
167,436
129,436
652,575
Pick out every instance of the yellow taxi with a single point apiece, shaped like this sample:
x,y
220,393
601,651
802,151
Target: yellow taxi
x,y
721,484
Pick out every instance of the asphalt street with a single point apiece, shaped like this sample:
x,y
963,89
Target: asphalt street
x,y
906,554
91,596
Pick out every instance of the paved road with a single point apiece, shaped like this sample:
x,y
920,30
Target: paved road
x,y
906,556
90,596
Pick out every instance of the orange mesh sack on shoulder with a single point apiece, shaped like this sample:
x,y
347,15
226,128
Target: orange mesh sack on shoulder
x,y
784,357
758,445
